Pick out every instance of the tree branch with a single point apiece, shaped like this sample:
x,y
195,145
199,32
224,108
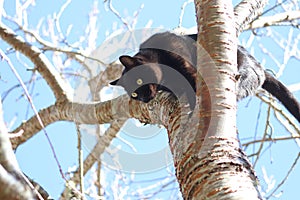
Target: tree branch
x,y
96,113
59,87
273,20
95,154
246,11
12,188
12,184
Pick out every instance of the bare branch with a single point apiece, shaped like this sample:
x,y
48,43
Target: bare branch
x,y
80,160
1,9
285,178
59,87
270,140
281,112
115,12
31,126
39,120
277,19
268,128
96,113
182,11
57,18
112,72
12,184
80,56
7,156
95,154
11,188
246,11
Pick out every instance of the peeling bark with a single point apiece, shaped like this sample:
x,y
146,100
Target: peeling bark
x,y
209,162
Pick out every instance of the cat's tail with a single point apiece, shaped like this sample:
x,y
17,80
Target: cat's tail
x,y
277,89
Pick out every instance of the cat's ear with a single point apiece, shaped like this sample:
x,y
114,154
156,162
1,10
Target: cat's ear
x,y
127,61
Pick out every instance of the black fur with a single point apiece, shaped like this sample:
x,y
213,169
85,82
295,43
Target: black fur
x,y
166,62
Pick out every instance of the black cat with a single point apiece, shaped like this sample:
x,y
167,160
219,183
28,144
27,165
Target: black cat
x,y
166,62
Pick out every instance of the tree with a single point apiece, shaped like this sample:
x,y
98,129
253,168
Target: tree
x,y
205,148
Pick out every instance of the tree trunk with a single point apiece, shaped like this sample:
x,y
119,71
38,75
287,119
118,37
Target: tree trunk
x,y
209,162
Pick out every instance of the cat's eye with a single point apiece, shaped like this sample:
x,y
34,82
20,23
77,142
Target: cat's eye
x,y
134,94
139,81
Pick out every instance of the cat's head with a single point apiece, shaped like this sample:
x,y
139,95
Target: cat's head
x,y
140,78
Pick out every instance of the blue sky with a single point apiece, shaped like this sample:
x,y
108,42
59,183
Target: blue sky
x,y
35,156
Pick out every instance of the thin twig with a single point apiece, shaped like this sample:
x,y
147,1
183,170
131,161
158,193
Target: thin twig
x,y
182,11
48,46
60,88
280,111
34,110
80,160
270,140
117,14
99,148
268,125
286,177
57,18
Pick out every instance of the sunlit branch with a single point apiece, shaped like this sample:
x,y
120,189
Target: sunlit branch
x,y
59,87
277,19
246,11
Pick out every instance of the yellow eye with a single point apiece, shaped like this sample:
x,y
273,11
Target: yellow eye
x,y
134,94
139,81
